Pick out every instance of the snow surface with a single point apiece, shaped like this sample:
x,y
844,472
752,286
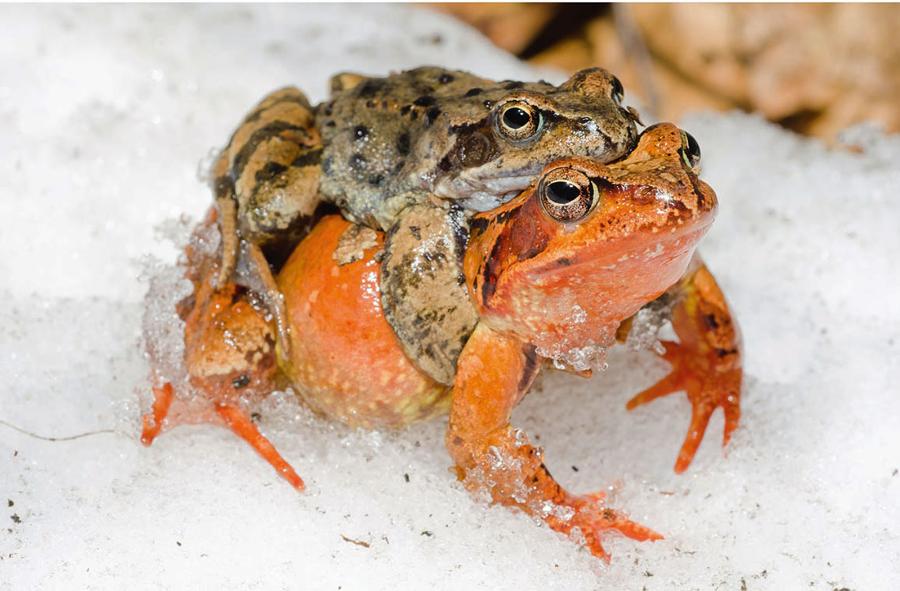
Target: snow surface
x,y
108,113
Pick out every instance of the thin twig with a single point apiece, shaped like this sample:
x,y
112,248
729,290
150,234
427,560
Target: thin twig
x,y
55,439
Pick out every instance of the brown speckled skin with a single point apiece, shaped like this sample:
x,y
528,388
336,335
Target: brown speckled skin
x,y
381,144
389,141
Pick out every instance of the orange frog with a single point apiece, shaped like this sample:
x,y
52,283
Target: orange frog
x,y
468,316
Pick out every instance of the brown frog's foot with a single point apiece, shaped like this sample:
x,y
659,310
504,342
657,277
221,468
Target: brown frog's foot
x,y
265,284
590,517
708,387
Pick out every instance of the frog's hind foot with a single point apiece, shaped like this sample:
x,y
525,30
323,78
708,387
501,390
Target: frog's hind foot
x,y
153,420
242,426
707,388
592,518
229,414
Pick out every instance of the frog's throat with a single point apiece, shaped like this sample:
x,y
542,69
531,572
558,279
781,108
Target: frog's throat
x,y
479,194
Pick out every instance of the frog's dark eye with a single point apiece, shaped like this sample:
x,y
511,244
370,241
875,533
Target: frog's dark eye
x,y
519,121
618,91
567,195
690,150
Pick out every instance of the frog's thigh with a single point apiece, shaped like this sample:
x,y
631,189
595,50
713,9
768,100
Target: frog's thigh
x,y
423,289
273,160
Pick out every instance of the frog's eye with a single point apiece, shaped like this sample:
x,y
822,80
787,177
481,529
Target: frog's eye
x,y
618,91
690,150
519,121
567,195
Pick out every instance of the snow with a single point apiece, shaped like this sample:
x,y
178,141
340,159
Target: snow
x,y
108,114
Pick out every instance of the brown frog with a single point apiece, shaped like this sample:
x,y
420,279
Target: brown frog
x,y
380,145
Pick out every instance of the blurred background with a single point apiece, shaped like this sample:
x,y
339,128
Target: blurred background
x,y
812,68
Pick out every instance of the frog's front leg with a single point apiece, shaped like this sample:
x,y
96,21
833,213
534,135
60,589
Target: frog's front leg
x,y
706,362
494,372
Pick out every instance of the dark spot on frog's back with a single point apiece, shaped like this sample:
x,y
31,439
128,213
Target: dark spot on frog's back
x,y
269,172
360,132
432,114
473,92
357,161
446,78
403,144
512,84
370,87
261,135
424,101
309,158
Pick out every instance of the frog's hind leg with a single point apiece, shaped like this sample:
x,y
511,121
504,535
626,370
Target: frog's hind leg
x,y
706,362
229,355
266,184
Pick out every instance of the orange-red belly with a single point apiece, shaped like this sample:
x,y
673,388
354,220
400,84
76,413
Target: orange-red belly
x,y
345,361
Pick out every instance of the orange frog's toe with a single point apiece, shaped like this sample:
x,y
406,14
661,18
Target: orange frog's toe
x,y
153,420
241,425
708,387
592,518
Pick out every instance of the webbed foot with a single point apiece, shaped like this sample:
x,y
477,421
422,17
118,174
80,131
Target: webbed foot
x,y
708,387
592,518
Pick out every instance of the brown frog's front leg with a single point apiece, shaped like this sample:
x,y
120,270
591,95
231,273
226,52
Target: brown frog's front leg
x,y
494,372
423,288
706,362
266,184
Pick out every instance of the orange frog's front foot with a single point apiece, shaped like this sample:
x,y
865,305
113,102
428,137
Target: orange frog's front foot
x,y
706,364
492,457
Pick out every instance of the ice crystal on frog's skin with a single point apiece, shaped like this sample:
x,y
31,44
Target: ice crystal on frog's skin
x,y
644,333
588,357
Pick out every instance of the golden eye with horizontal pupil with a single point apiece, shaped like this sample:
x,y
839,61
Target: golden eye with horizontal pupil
x,y
518,121
567,195
690,150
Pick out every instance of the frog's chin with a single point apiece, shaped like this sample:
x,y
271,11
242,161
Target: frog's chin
x,y
483,194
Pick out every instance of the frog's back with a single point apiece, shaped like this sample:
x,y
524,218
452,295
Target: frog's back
x,y
369,128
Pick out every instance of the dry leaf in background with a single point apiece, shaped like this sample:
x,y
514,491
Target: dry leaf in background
x,y
813,68
816,68
510,26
